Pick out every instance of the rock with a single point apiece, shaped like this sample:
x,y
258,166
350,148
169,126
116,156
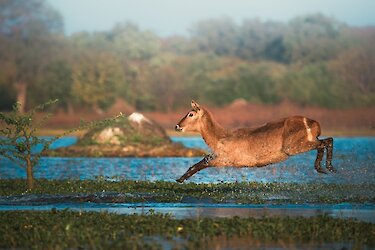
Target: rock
x,y
134,129
109,136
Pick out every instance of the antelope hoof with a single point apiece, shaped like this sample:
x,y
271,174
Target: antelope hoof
x,y
180,180
320,170
331,169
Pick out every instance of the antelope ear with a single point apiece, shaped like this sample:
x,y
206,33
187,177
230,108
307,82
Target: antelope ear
x,y
195,105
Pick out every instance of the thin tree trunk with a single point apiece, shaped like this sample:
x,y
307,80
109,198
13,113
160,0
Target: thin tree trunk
x,y
30,175
21,95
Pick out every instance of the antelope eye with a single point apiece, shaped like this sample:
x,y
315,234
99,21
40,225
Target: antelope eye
x,y
191,114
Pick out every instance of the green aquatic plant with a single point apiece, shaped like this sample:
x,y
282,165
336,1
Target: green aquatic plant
x,y
153,231
240,193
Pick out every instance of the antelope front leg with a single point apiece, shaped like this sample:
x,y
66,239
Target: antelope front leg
x,y
204,163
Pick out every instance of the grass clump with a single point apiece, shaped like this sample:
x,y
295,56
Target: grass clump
x,y
161,191
66,229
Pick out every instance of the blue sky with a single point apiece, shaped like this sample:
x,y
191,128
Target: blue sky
x,y
168,17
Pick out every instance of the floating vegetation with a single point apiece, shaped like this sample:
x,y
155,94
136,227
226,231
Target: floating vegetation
x,y
67,229
240,193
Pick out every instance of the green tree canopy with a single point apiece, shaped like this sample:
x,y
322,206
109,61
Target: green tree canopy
x,y
96,79
28,29
313,38
132,43
219,36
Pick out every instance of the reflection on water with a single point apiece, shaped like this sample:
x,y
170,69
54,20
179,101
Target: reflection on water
x,y
195,210
353,158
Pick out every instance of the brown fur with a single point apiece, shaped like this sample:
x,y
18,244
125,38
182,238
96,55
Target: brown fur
x,y
253,147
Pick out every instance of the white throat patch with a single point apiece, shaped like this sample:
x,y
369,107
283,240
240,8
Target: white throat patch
x,y
308,130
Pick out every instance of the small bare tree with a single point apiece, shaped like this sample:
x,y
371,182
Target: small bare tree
x,y
18,136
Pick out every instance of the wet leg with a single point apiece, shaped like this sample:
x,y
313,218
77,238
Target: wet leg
x,y
328,144
319,158
204,163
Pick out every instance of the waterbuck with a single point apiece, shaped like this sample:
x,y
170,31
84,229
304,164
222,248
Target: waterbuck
x,y
254,147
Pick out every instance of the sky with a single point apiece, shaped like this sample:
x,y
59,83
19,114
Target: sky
x,y
174,17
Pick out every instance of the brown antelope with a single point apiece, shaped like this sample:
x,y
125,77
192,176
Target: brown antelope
x,y
254,147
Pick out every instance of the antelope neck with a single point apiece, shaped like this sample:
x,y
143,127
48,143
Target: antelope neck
x,y
211,131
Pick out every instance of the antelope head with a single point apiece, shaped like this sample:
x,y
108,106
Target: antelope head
x,y
191,121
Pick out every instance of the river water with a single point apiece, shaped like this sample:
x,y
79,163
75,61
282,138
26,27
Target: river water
x,y
354,158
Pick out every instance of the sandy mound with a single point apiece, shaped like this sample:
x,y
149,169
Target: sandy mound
x,y
132,136
134,129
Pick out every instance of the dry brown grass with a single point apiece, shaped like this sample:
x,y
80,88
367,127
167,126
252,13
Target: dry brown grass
x,y
350,122
355,121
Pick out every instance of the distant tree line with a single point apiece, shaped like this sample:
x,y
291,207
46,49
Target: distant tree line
x,y
311,60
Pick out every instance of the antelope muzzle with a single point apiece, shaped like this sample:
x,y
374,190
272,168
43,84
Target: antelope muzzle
x,y
178,128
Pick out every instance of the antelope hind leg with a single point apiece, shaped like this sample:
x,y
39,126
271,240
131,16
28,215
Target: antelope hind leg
x,y
325,144
328,145
204,163
319,158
